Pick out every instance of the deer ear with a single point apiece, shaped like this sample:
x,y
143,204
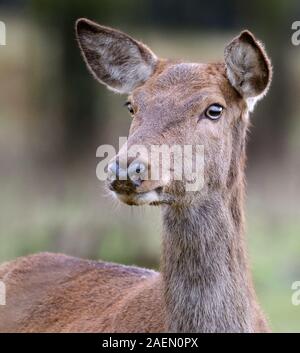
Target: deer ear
x,y
248,67
114,58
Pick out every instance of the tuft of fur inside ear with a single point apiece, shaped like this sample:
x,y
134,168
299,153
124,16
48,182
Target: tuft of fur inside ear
x,y
248,67
114,58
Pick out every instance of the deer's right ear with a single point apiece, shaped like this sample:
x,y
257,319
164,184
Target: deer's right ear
x,y
248,67
114,58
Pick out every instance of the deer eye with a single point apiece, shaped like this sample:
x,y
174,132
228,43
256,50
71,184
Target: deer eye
x,y
129,106
214,111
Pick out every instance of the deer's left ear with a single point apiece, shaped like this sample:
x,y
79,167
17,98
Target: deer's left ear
x,y
248,67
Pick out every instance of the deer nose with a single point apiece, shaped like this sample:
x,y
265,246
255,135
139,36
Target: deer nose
x,y
125,180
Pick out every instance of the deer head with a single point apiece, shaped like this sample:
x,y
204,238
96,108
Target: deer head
x,y
177,103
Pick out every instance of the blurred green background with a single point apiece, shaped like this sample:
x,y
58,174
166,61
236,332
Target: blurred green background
x,y
53,115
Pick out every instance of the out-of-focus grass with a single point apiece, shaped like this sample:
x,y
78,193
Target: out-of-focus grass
x,y
274,252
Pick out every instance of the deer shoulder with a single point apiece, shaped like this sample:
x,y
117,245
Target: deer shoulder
x,y
54,292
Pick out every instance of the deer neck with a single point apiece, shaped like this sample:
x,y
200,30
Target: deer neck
x,y
207,287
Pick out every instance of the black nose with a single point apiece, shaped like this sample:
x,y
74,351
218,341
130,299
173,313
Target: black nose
x,y
125,179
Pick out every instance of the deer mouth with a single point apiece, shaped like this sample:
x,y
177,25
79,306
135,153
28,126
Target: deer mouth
x,y
155,197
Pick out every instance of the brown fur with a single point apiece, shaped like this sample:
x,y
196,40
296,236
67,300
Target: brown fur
x,y
57,293
205,284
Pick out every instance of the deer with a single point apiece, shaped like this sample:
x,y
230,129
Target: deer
x,y
205,283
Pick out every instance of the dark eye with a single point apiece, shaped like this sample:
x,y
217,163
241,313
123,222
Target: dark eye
x,y
129,107
214,111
